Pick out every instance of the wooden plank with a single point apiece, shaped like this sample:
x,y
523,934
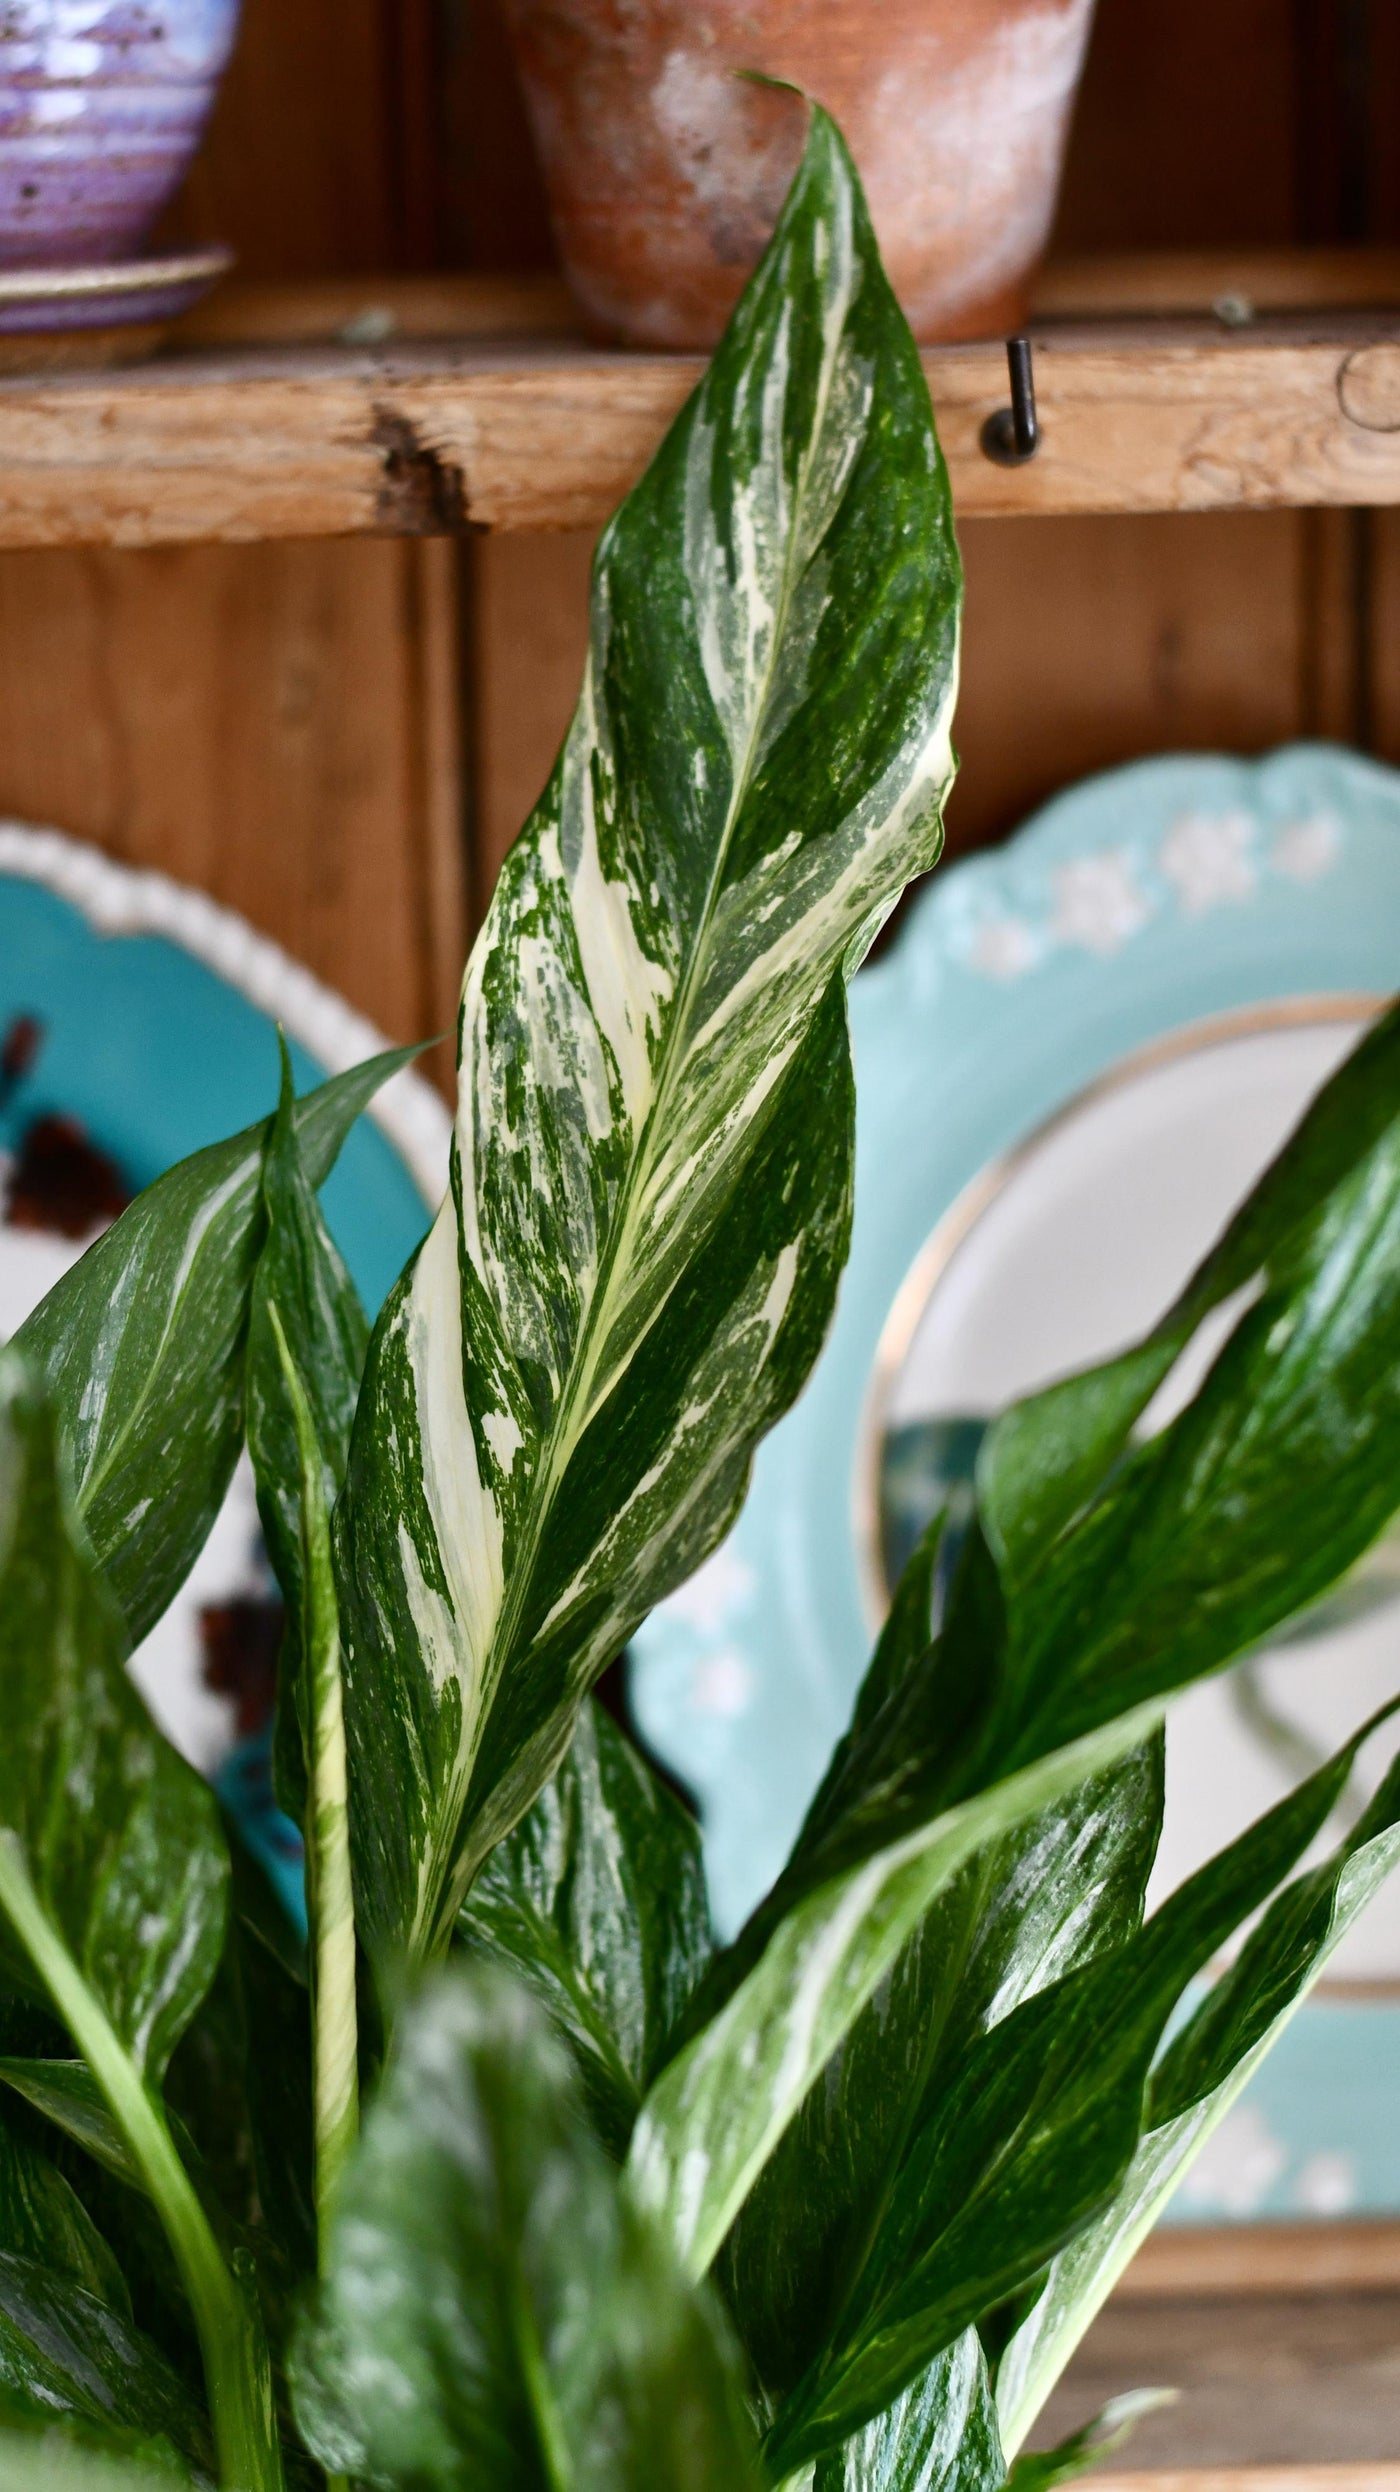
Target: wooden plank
x,y
1259,2381
1112,284
1381,2475
267,723
438,439
1259,2259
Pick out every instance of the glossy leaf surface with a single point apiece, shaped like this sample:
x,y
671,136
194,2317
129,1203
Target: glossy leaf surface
x,y
1045,1458
1060,1889
65,2353
1200,2076
135,1876
718,2111
141,1346
43,2219
597,1901
301,1273
1029,2133
66,2092
496,2317
939,2436
652,1174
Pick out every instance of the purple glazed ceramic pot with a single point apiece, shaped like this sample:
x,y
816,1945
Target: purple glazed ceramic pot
x,y
102,105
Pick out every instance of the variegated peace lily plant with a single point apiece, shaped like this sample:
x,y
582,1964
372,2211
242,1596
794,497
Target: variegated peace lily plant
x,y
832,2205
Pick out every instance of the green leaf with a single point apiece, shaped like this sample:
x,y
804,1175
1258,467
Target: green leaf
x,y
122,1837
496,2315
1111,2429
1270,1485
1030,2133
236,2368
300,1272
597,1900
939,2436
66,2092
333,1956
141,1347
719,2109
276,2018
37,2459
1063,1887
65,2353
652,1174
1043,1459
1200,2076
42,2218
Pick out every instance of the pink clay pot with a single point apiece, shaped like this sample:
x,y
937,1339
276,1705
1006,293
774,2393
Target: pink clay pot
x,y
666,172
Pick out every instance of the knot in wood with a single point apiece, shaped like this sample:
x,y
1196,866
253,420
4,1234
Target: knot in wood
x,y
1368,386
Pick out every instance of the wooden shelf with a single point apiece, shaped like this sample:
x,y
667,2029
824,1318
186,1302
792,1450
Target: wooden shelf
x,y
435,406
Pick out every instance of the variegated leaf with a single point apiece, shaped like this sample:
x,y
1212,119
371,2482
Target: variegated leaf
x,y
1202,2073
122,1836
939,2436
597,1901
141,1347
1059,1890
493,2312
716,2114
651,1181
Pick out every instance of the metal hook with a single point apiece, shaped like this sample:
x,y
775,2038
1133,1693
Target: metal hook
x,y
1012,434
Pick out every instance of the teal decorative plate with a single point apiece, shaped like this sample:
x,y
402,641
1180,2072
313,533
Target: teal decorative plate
x,y
1071,1064
143,1021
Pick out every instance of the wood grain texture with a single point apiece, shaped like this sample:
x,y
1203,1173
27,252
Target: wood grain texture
x,y
432,439
1090,641
527,637
279,724
1305,2386
265,723
1282,2259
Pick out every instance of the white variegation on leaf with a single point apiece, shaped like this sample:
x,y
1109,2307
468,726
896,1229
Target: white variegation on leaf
x,y
651,1175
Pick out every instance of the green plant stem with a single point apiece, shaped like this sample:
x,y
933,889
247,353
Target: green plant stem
x,y
235,2367
330,1893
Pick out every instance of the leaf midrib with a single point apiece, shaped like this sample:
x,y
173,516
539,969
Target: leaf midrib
x,y
587,1355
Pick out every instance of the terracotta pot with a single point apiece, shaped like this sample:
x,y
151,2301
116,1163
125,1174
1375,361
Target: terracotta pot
x,y
102,105
666,172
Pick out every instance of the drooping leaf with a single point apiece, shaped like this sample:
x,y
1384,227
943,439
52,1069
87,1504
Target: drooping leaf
x,y
65,2353
497,2319
1030,2134
1201,2074
300,1272
141,1347
43,2219
121,1836
597,1900
1060,1889
1040,2470
939,2436
652,1174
